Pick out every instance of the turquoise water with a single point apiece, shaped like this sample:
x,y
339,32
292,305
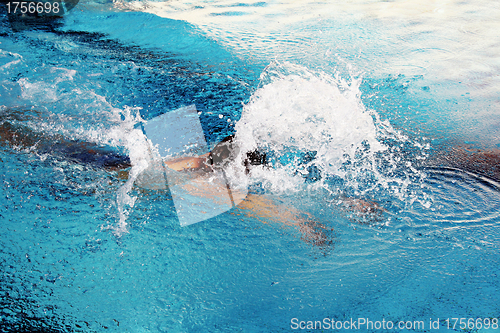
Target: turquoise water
x,y
356,107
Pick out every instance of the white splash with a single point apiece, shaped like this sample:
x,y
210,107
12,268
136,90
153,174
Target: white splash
x,y
138,149
295,112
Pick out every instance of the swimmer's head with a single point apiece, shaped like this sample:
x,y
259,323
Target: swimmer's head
x,y
226,151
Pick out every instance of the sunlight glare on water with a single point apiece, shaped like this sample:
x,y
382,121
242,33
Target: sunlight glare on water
x,y
447,40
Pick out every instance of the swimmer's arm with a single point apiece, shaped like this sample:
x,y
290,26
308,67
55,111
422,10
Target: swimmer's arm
x,y
216,158
265,209
190,163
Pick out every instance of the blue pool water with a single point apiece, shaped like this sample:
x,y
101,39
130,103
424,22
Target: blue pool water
x,y
368,104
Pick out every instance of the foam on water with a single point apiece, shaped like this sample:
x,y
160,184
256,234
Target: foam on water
x,y
318,134
60,101
60,98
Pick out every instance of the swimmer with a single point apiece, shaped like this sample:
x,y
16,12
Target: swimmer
x,y
19,136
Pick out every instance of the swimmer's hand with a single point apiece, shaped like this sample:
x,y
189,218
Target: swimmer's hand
x,y
362,211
